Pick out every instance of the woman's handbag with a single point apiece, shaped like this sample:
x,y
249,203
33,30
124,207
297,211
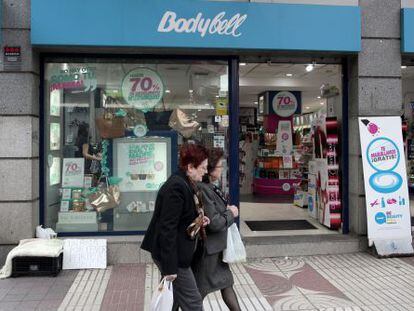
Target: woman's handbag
x,y
105,197
162,298
110,125
235,251
180,122
158,120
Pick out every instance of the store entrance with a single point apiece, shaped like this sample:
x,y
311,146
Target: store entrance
x,y
290,124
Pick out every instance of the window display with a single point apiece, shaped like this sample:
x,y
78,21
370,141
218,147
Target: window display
x,y
113,133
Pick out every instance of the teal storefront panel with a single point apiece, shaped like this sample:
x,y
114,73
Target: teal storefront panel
x,y
407,30
195,24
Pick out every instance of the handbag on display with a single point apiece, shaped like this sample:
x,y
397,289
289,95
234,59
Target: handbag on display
x,y
110,125
180,122
235,251
158,120
105,196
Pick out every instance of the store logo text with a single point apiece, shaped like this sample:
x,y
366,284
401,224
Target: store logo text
x,y
217,25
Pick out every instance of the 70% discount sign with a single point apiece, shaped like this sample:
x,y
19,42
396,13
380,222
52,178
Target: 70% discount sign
x,y
142,88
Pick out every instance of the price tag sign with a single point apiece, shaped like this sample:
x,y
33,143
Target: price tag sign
x,y
73,172
142,88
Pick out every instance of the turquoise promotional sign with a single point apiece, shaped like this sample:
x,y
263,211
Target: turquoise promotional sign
x,y
407,30
195,24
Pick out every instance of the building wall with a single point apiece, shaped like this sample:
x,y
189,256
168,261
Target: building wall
x,y
375,89
19,130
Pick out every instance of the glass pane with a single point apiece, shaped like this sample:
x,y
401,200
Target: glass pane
x,y
113,130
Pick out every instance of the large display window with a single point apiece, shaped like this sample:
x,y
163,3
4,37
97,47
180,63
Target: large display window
x,y
112,129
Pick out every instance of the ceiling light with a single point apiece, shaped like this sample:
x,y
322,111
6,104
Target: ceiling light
x,y
318,97
322,103
289,75
242,64
307,107
190,91
403,67
167,91
309,68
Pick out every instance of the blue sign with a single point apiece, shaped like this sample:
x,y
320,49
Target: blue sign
x,y
380,218
195,24
407,30
383,156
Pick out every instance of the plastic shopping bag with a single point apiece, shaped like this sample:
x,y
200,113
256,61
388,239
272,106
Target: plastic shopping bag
x,y
162,298
235,251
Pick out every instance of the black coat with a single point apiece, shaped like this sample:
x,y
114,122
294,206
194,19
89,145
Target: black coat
x,y
166,238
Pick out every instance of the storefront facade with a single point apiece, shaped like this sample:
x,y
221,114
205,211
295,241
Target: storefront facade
x,y
91,52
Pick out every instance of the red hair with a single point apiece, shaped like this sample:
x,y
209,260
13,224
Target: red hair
x,y
192,154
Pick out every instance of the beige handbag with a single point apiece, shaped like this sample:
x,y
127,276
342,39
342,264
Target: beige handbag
x,y
180,122
105,197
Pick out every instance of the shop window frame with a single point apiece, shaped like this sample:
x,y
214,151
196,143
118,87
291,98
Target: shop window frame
x,y
232,64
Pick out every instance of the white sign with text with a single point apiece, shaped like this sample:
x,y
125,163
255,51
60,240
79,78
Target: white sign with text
x,y
386,189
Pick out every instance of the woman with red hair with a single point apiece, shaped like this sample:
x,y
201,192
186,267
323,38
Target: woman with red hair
x,y
171,238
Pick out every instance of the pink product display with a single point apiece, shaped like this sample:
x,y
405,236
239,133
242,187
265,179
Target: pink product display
x,y
328,197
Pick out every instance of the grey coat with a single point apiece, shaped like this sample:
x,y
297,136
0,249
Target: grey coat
x,y
220,219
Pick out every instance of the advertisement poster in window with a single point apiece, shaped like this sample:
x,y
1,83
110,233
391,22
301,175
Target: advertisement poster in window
x,y
54,172
73,172
55,103
385,180
141,165
142,88
54,136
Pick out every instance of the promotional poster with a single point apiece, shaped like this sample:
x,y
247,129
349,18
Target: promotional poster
x,y
385,179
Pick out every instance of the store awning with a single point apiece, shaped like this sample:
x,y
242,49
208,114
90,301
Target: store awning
x,y
407,30
196,24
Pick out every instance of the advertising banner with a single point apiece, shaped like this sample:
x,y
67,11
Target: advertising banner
x,y
142,165
385,180
142,88
284,143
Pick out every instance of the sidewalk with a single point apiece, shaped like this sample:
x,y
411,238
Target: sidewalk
x,y
340,282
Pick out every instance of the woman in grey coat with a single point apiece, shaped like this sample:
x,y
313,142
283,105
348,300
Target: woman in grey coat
x,y
210,272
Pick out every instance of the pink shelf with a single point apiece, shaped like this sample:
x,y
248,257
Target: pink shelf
x,y
268,186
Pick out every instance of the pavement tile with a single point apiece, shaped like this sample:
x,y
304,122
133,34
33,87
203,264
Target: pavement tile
x,y
9,306
3,292
49,305
39,290
13,297
34,297
27,306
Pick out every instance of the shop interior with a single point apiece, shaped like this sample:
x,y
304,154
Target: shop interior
x,y
290,120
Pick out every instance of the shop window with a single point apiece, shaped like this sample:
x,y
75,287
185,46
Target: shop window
x,y
112,130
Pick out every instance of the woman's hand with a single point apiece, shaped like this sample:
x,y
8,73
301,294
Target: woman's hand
x,y
171,277
206,221
234,210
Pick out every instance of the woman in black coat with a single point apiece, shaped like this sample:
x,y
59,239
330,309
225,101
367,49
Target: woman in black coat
x,y
167,240
210,271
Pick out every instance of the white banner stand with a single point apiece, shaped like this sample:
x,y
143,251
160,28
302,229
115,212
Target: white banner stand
x,y
386,188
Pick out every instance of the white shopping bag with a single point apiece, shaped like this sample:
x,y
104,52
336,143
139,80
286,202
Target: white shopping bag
x,y
235,251
162,298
